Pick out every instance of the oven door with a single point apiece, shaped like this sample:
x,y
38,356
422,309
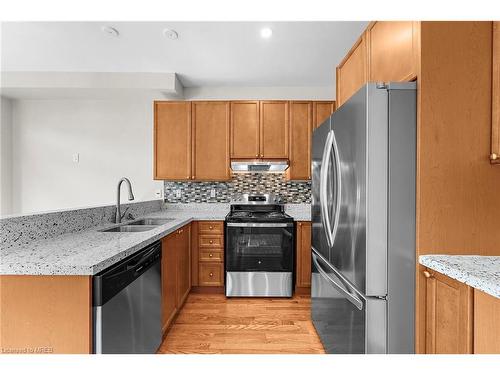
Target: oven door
x,y
259,247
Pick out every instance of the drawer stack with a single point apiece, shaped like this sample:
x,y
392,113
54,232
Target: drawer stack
x,y
211,253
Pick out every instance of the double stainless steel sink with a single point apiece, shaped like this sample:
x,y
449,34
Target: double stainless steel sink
x,y
141,225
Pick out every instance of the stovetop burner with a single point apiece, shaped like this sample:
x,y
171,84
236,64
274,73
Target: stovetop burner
x,y
257,213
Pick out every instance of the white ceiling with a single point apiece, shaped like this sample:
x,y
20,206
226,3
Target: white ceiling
x,y
205,54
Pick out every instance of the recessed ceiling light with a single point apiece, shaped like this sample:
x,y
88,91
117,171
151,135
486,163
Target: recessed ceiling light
x,y
266,32
170,33
110,31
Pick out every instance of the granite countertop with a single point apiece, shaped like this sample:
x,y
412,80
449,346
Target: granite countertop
x,y
90,251
480,272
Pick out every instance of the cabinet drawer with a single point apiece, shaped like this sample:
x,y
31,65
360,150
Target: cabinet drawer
x,y
211,274
215,255
207,240
211,227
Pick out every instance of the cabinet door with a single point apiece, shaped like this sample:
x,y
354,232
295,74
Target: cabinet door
x,y
392,47
495,131
274,129
352,73
303,254
448,315
300,140
321,111
245,129
169,279
172,140
183,264
210,141
486,323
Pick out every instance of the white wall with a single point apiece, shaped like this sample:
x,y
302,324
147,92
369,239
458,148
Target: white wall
x,y
264,93
5,156
113,139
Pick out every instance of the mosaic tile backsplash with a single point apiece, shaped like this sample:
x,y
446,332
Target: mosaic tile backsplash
x,y
200,192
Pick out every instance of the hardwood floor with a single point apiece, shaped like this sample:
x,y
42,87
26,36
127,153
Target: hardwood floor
x,y
210,323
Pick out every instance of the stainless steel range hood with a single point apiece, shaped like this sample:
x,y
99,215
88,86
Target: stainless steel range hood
x,y
261,166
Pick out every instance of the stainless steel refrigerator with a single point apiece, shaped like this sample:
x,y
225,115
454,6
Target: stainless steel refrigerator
x,y
363,222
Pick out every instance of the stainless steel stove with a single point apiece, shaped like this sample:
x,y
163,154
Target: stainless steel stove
x,y
259,253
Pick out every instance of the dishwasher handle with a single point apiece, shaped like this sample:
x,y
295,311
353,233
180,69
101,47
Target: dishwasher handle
x,y
114,279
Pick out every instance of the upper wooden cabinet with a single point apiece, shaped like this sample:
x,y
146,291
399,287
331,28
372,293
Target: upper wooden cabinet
x,y
495,116
449,315
392,50
210,124
321,111
352,73
245,129
300,140
172,140
274,129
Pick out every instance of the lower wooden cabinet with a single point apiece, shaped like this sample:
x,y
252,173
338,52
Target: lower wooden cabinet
x,y
176,273
209,243
303,254
211,274
486,323
449,315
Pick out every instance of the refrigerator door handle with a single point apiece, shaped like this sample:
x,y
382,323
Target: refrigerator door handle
x,y
338,193
325,219
354,299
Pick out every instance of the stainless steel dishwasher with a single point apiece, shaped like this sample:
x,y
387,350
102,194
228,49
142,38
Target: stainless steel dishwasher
x,y
127,304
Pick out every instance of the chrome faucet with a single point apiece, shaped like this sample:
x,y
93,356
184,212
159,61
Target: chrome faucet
x,y
118,217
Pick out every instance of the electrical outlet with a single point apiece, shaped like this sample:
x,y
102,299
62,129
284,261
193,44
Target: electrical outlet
x,y
76,157
178,193
159,193
212,193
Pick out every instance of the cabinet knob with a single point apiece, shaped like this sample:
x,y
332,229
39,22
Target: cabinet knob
x,y
256,155
211,274
427,274
300,224
493,156
210,241
210,227
210,255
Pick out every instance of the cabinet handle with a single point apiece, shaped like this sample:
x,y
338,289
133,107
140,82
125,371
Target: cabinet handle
x,y
211,274
210,255
493,156
427,274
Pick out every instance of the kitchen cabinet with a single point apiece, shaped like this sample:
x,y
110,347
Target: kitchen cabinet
x,y
449,315
300,140
245,129
392,50
176,273
274,129
46,314
172,140
210,253
303,254
183,264
486,323
321,111
495,115
352,72
210,127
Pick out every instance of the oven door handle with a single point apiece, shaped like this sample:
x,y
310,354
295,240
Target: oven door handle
x,y
260,225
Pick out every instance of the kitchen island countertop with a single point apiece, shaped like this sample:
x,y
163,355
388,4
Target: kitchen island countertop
x,y
480,272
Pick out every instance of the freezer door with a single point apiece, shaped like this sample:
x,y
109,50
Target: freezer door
x,y
359,188
345,322
319,238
